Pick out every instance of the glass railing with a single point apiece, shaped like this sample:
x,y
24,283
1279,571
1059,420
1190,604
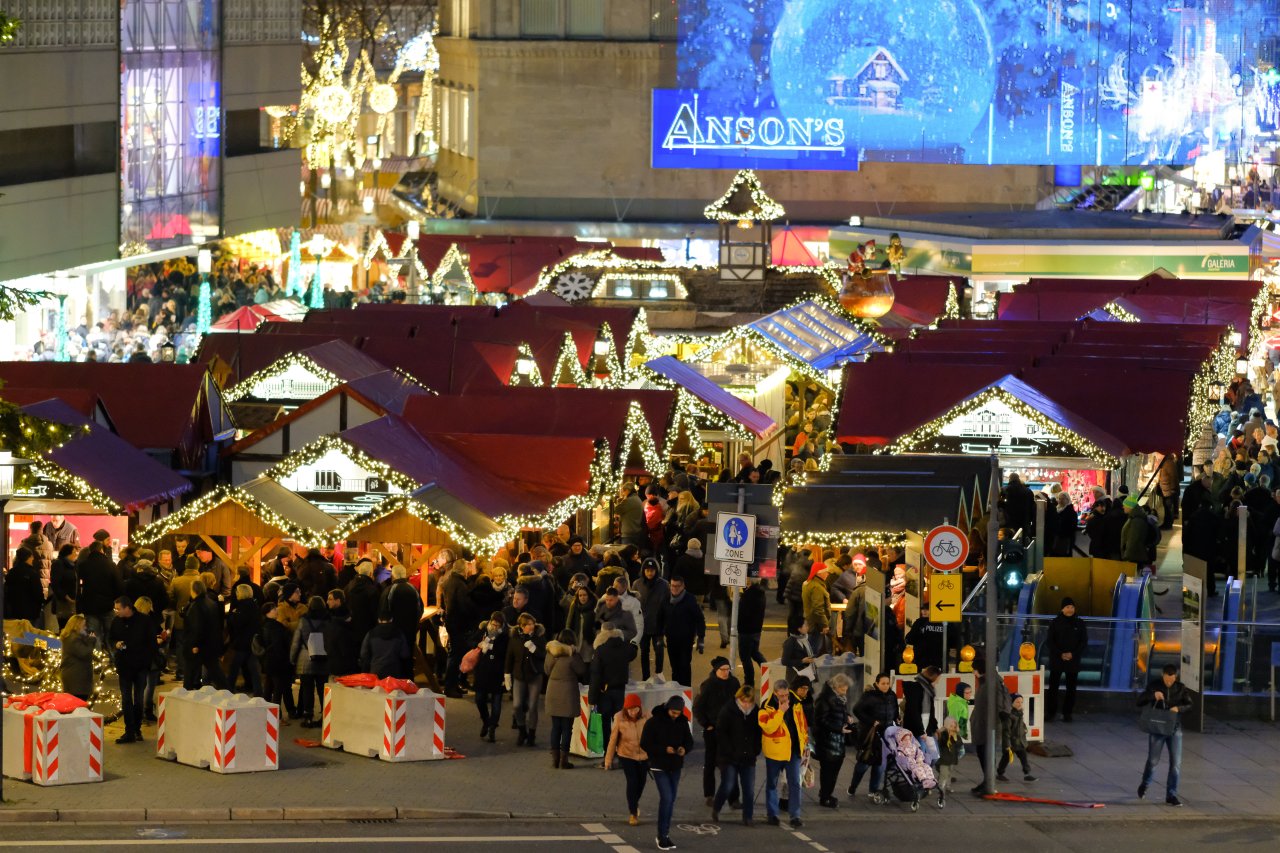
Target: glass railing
x,y
1122,654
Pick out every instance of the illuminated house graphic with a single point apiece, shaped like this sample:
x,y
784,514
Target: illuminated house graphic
x,y
876,84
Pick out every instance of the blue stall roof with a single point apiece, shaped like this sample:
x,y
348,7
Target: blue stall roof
x,y
815,334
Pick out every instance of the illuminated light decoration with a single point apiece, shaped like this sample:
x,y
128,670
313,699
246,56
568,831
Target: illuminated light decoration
x,y
41,672
317,290
294,285
204,310
333,103
920,440
670,284
1218,369
689,408
1119,312
763,208
639,436
828,273
277,111
604,261
525,372
77,487
639,342
156,530
28,437
568,370
378,246
951,309
316,450
455,263
61,330
858,540
277,369
610,373
1261,307
383,98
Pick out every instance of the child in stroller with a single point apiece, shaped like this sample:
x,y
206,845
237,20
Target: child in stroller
x,y
906,772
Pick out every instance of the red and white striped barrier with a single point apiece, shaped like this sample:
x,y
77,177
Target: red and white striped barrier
x,y
1029,684
50,748
393,726
652,693
824,667
225,732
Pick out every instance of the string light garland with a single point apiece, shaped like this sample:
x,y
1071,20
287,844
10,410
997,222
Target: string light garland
x,y
174,521
457,259
639,342
42,673
689,406
76,486
762,209
1218,369
568,369
857,540
1120,313
671,280
275,370
29,437
604,261
525,372
316,450
922,438
639,435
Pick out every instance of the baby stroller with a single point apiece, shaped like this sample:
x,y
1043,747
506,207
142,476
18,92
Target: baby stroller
x,y
907,775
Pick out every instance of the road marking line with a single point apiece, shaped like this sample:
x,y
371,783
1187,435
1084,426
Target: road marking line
x,y
820,848
802,836
595,828
610,839
246,842
625,848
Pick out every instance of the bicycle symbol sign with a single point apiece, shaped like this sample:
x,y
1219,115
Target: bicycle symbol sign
x,y
946,547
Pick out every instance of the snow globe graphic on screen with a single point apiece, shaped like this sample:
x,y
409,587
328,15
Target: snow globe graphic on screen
x,y
919,74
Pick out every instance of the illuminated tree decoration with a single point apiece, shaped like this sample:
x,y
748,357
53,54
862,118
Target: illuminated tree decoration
x,y
294,284
38,669
29,437
568,371
60,347
1118,312
317,290
383,98
1219,368
204,307
525,372
951,309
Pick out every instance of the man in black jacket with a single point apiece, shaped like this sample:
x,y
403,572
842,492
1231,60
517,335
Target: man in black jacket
x,y
714,694
202,638
1167,693
23,592
610,665
133,643
751,605
1068,639
919,714
340,642
666,739
402,602
362,600
384,652
681,622
100,586
737,748
459,620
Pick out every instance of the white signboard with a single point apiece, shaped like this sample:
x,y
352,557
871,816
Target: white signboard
x,y
735,537
733,574
995,427
1192,647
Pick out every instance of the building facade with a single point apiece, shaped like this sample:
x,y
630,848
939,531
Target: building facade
x,y
138,125
544,113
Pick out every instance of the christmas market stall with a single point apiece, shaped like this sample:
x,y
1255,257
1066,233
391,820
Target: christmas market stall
x,y
250,519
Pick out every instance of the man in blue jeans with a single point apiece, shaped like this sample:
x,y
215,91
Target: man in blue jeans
x,y
666,739
1171,694
133,643
737,748
784,739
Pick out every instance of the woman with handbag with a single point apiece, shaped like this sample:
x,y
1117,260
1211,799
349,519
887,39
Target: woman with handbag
x,y
830,726
876,711
624,747
1163,703
485,663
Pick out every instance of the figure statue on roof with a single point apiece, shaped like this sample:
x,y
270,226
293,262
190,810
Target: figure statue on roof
x,y
897,253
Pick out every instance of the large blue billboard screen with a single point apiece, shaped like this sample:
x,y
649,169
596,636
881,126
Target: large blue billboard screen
x,y
1069,82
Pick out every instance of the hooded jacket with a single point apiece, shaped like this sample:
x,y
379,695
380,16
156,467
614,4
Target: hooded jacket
x,y
713,695
651,594
619,617
661,731
384,652
817,604
565,671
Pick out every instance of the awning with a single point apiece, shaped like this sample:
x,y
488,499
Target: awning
x,y
816,335
713,395
107,463
260,508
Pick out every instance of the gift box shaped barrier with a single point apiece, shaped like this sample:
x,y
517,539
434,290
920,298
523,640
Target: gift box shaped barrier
x,y
51,748
223,731
653,692
394,726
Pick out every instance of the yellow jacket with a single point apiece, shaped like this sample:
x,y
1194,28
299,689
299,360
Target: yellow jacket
x,y
776,737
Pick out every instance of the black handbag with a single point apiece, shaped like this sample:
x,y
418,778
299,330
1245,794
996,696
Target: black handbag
x,y
1158,721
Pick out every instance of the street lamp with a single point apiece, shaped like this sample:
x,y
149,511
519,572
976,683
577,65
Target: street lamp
x,y
168,352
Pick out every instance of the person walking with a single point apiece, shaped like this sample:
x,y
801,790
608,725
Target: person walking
x,y
681,622
488,672
610,666
666,740
310,659
979,728
713,695
651,590
202,640
525,654
133,645
624,748
831,723
875,712
919,714
1170,694
751,605
1067,641
1017,742
738,741
278,687
565,670
950,749
784,739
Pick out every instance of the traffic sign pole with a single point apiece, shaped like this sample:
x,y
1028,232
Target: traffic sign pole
x,y
734,597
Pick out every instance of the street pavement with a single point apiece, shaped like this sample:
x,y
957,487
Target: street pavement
x,y
1229,772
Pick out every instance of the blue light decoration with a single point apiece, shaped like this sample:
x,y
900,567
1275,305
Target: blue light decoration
x,y
1052,82
61,331
317,290
295,283
204,307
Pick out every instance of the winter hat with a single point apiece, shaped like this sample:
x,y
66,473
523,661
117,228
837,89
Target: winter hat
x,y
1130,502
1250,479
289,590
694,545
718,661
1269,441
800,681
577,540
1067,601
103,536
675,703
632,701
651,563
538,566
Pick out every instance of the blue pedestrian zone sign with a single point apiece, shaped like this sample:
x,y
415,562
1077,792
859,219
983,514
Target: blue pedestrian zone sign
x,y
735,537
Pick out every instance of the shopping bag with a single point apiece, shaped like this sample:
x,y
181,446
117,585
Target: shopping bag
x,y
1158,721
929,746
469,660
595,734
807,777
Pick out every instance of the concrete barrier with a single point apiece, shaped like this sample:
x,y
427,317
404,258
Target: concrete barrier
x,y
653,692
223,731
393,726
49,748
1030,685
823,668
